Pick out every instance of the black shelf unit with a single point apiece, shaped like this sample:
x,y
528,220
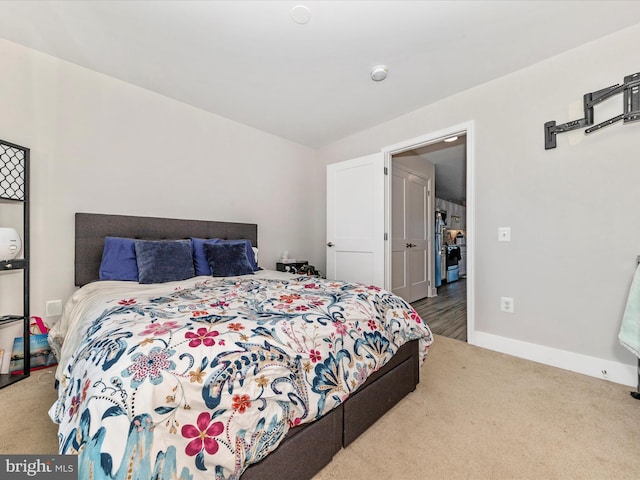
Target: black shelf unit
x,y
14,190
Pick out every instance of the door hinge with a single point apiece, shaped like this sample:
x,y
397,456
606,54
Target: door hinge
x,y
386,171
386,236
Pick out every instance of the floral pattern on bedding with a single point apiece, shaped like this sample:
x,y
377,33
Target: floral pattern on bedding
x,y
208,377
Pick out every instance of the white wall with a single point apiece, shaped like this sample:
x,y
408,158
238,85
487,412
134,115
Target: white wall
x,y
101,145
573,210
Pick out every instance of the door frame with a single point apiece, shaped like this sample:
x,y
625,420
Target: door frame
x,y
466,128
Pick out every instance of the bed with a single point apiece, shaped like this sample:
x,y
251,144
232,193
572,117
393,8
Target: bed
x,y
264,375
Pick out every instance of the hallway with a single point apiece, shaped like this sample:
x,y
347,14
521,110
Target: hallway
x,y
446,314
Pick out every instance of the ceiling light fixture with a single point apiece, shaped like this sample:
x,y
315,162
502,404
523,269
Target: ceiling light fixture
x,y
301,14
451,139
379,73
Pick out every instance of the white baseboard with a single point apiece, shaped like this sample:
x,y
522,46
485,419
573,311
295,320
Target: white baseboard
x,y
574,362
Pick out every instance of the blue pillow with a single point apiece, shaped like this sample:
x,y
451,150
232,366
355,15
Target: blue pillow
x,y
162,261
199,260
119,260
227,259
250,255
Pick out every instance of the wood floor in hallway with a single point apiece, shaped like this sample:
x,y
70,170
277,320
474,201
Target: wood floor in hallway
x,y
446,314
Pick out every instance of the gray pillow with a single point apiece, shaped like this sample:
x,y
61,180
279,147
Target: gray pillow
x,y
162,261
227,259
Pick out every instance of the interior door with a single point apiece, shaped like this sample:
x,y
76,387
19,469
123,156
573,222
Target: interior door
x,y
355,220
399,255
410,234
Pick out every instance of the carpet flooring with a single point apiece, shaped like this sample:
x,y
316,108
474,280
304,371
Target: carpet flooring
x,y
476,414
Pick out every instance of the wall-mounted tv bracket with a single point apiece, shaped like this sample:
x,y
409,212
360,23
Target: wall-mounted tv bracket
x,y
631,103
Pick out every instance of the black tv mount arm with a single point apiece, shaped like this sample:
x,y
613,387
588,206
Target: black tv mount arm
x,y
631,103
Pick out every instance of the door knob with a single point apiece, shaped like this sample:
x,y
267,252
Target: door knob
x,y
329,244
409,245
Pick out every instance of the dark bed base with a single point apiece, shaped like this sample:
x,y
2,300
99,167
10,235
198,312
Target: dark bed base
x,y
324,437
342,425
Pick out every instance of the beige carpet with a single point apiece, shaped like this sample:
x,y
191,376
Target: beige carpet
x,y
476,414
24,421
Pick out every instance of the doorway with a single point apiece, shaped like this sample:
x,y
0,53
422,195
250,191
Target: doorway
x,y
448,306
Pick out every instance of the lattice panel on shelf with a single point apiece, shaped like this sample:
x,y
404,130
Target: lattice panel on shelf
x,y
11,172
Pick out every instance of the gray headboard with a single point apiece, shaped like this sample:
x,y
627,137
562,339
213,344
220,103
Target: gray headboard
x,y
91,228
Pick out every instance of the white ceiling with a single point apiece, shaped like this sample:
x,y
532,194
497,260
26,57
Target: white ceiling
x,y
250,62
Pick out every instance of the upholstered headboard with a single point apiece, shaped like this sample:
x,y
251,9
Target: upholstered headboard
x,y
91,228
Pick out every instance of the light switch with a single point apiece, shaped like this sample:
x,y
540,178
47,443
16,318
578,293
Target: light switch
x,y
53,308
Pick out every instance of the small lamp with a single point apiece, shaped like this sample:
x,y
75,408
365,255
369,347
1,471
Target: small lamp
x,y
10,243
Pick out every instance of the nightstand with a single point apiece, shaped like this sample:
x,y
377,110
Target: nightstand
x,y
291,267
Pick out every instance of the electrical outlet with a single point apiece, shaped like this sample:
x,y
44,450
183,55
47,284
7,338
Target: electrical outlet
x,y
53,308
506,304
504,234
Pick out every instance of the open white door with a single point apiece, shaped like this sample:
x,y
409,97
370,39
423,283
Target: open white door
x,y
355,220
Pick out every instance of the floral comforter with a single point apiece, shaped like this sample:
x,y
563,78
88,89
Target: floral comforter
x,y
199,379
